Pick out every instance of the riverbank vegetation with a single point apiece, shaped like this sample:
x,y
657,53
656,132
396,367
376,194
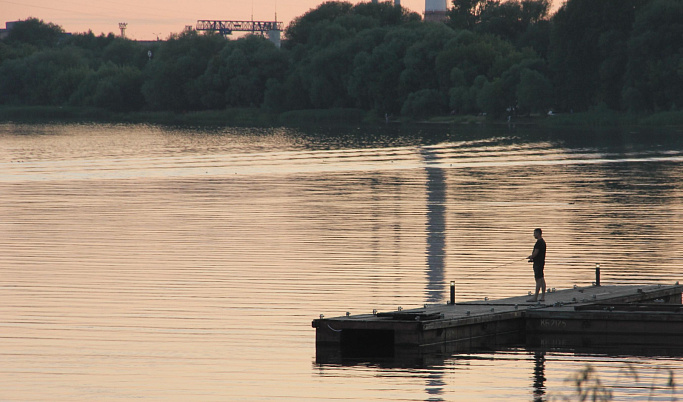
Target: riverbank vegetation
x,y
587,386
605,62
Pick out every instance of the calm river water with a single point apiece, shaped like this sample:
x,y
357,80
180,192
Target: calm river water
x,y
150,263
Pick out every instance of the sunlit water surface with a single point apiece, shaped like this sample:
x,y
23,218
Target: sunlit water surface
x,y
149,263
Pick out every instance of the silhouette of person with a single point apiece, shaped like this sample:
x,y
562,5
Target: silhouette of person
x,y
537,257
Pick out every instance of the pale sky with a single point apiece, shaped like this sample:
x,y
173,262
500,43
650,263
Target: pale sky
x,y
151,18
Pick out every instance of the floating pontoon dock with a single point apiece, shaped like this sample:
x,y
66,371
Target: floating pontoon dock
x,y
594,314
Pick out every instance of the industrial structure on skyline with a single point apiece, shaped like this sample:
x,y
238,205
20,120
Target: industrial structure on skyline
x,y
396,2
436,10
122,27
271,29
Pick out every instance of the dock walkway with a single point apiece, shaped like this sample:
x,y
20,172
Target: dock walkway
x,y
607,311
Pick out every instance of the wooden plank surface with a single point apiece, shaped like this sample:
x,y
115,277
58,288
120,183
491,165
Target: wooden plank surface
x,y
562,311
578,296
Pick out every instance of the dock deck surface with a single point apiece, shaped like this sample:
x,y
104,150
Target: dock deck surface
x,y
508,319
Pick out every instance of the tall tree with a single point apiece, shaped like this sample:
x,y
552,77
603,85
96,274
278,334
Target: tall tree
x,y
172,75
588,49
35,32
507,19
44,78
466,14
300,30
654,73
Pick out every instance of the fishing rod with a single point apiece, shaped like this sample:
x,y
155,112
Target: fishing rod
x,y
516,260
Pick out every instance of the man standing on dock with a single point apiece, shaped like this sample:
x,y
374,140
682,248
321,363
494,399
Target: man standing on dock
x,y
538,258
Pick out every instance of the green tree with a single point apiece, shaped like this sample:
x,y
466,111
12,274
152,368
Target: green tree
x,y
469,62
308,27
376,71
173,74
492,56
43,78
462,100
536,37
92,46
11,82
238,75
491,98
274,95
513,20
300,30
503,19
423,103
125,52
35,32
386,14
588,44
466,14
654,72
296,94
112,87
327,67
534,92
422,59
327,77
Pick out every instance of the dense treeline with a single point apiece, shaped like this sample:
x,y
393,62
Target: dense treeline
x,y
489,56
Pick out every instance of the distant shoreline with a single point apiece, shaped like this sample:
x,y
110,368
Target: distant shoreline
x,y
254,117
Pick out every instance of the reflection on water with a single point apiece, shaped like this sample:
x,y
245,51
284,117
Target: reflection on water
x,y
539,375
142,262
436,226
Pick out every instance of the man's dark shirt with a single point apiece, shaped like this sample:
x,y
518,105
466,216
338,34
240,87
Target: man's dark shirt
x,y
539,260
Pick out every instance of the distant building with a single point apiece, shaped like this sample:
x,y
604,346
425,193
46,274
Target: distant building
x,y
396,2
436,10
8,27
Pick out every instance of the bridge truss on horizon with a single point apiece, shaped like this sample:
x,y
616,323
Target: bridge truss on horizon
x,y
228,27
